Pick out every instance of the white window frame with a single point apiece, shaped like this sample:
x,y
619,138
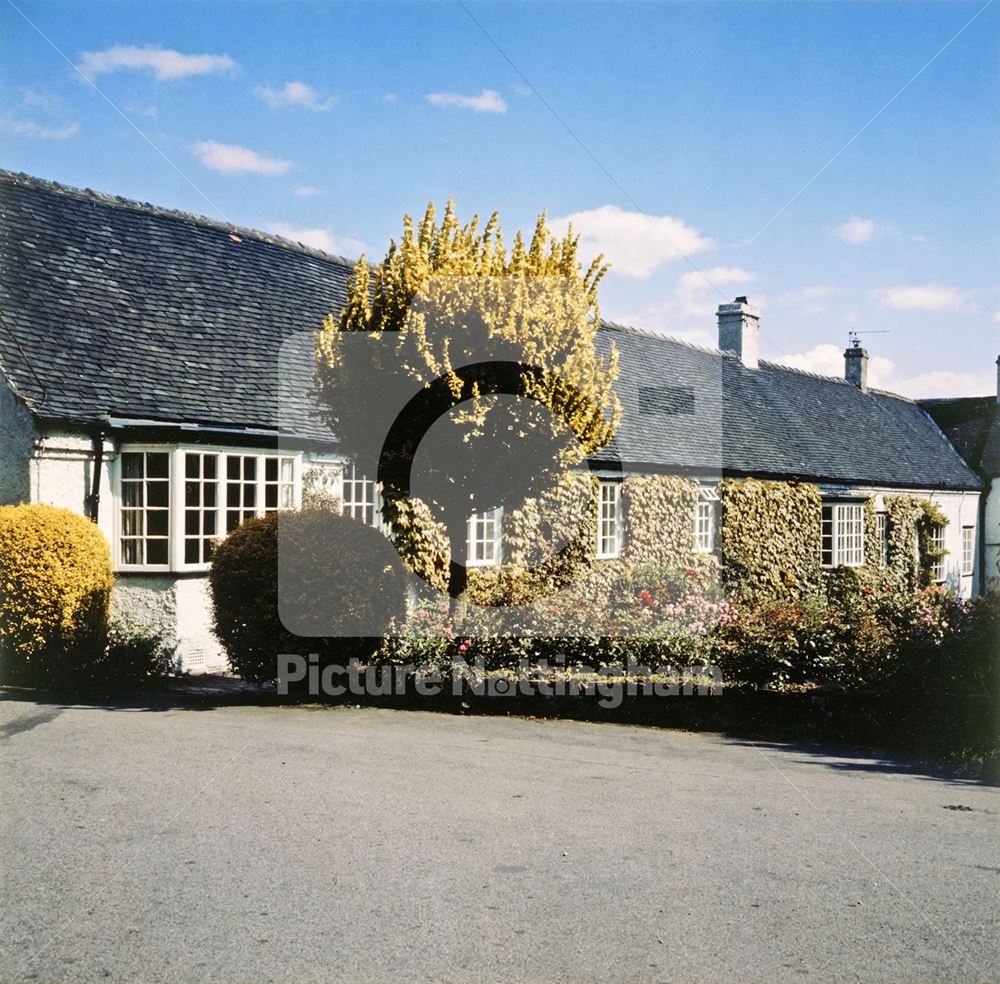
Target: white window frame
x,y
609,520
882,523
937,540
119,506
706,511
968,550
842,534
364,495
177,509
483,539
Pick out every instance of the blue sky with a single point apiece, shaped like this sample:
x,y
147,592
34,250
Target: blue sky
x,y
699,122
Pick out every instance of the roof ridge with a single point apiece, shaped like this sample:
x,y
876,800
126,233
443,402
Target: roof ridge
x,y
119,201
659,337
833,379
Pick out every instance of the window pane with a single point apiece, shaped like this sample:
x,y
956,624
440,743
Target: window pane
x,y
271,497
192,551
157,522
157,465
192,465
131,522
287,470
156,551
208,520
249,469
210,465
233,467
232,520
232,494
132,464
287,497
270,469
131,551
210,493
192,494
157,493
191,522
249,495
131,495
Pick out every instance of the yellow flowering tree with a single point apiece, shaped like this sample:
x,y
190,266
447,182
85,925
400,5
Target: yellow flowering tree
x,y
466,373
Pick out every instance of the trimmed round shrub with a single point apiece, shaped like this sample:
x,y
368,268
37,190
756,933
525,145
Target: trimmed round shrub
x,y
302,583
55,593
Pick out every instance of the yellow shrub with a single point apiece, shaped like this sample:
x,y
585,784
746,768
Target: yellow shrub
x,y
55,591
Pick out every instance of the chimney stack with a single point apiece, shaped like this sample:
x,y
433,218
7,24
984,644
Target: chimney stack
x,y
738,330
856,365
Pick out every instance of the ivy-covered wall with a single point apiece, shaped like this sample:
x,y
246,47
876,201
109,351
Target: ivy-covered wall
x,y
659,519
770,537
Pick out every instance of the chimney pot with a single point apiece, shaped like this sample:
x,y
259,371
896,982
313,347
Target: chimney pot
x,y
739,330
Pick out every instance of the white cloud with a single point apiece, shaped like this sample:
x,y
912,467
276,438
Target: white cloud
x,y
523,90
162,64
231,159
295,95
305,191
488,101
695,292
28,128
940,383
634,243
921,297
150,111
318,238
996,317
808,300
856,230
689,312
391,97
828,360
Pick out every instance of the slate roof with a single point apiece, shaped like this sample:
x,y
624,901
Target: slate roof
x,y
113,307
973,426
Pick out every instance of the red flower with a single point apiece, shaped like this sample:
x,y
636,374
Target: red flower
x,y
647,598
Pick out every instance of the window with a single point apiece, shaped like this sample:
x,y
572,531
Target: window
x,y
705,512
843,535
484,539
882,522
279,483
241,489
609,539
968,549
145,508
201,505
937,542
360,498
174,503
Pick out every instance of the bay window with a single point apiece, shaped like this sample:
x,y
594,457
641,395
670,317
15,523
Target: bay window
x,y
175,503
145,508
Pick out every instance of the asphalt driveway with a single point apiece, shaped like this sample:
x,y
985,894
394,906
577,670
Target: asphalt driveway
x,y
272,844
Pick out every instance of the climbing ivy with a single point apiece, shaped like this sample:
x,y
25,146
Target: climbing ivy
x,y
770,538
659,519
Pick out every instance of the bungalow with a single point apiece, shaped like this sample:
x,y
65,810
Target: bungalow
x,y
139,384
